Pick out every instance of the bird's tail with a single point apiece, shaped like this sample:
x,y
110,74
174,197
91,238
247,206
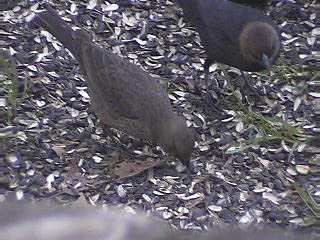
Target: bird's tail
x,y
53,23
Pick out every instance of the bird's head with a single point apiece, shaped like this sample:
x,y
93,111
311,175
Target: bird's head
x,y
260,44
177,139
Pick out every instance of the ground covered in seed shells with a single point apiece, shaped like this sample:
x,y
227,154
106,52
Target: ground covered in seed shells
x,y
257,159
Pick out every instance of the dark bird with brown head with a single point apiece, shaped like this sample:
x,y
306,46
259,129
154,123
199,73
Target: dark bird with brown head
x,y
123,95
233,34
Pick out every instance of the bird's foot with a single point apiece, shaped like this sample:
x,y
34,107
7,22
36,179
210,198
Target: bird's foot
x,y
247,89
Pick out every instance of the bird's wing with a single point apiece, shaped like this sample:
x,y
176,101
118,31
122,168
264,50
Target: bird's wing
x,y
216,26
123,86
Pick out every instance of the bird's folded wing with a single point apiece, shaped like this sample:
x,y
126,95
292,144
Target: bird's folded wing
x,y
213,26
115,82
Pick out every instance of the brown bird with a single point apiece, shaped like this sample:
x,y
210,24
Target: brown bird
x,y
123,95
234,34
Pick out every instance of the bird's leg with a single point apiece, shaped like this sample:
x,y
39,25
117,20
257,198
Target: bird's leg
x,y
108,132
212,82
245,83
198,83
247,89
206,67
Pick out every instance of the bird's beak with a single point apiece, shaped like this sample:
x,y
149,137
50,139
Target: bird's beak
x,y
266,62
